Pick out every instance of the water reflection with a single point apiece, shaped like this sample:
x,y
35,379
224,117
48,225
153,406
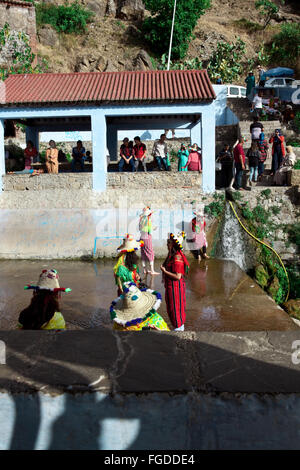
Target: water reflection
x,y
220,297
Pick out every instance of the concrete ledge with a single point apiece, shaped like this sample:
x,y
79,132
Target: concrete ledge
x,y
82,361
83,181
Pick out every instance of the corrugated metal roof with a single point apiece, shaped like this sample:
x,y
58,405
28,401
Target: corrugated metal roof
x,y
107,87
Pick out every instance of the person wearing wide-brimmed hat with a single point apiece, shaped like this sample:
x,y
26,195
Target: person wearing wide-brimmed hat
x,y
136,310
198,231
43,312
174,269
146,228
126,269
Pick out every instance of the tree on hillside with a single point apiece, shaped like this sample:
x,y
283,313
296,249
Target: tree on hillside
x,y
267,10
16,54
157,28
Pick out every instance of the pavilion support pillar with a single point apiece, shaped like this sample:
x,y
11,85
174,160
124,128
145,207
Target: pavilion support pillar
x,y
196,137
98,124
112,142
208,149
32,134
2,153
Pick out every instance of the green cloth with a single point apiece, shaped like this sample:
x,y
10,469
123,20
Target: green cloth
x,y
125,274
183,156
250,80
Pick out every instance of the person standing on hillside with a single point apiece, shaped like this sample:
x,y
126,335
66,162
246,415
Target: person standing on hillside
x,y
257,105
256,129
226,159
239,163
263,150
278,150
250,81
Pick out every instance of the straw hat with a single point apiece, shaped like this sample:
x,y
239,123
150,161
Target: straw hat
x,y
178,239
134,305
199,211
146,212
130,244
48,280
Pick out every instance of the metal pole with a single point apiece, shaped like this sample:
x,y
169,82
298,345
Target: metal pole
x,y
171,38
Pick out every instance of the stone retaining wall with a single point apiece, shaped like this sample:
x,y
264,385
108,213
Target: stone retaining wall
x,y
295,178
71,181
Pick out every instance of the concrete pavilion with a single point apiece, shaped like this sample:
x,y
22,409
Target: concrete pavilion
x,y
110,101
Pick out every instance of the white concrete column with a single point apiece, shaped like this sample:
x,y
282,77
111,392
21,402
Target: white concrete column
x,y
2,153
208,148
33,134
112,142
98,124
196,137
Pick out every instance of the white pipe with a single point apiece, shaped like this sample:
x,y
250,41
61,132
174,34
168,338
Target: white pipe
x,y
171,38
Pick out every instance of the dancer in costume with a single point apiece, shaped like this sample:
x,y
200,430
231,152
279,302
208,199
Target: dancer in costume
x,y
198,231
174,269
126,269
145,227
136,310
43,312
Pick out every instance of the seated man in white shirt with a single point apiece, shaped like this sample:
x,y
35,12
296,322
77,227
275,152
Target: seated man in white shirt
x,y
160,152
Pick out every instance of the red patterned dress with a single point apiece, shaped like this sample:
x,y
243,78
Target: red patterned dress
x,y
175,290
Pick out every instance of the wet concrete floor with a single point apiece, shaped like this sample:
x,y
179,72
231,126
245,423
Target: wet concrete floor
x,y
220,296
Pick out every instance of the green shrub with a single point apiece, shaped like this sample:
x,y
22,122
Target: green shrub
x,y
22,56
157,28
285,47
226,61
297,165
68,18
297,120
267,10
294,233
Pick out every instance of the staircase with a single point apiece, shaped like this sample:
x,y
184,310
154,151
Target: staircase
x,y
269,128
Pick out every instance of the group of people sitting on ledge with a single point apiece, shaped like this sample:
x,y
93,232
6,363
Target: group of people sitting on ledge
x,y
53,157
133,155
233,165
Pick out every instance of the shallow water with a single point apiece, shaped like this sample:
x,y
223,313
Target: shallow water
x,y
220,296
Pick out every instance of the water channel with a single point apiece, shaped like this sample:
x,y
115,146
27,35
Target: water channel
x,y
220,296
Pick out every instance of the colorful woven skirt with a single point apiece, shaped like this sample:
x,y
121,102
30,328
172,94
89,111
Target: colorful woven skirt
x,y
147,252
176,301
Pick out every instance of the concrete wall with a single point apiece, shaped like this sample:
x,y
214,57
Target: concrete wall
x,y
80,224
224,115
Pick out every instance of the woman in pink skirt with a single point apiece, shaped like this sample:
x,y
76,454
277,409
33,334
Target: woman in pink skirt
x,y
198,233
194,160
147,253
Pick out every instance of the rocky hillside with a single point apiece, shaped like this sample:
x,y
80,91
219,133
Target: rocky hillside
x,y
113,40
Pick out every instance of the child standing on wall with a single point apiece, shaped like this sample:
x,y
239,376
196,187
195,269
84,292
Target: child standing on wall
x,y
146,228
198,231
